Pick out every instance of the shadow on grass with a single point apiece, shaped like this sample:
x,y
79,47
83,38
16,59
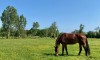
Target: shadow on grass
x,y
50,54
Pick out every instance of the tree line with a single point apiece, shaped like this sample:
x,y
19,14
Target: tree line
x,y
89,34
13,26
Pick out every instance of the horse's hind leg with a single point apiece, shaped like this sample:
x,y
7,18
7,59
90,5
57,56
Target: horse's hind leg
x,y
66,50
80,49
84,46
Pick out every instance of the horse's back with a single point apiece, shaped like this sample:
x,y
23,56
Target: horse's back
x,y
69,38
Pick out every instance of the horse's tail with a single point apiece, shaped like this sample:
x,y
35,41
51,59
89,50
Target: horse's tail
x,y
87,47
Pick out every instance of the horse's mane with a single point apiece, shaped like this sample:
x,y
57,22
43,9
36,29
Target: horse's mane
x,y
59,37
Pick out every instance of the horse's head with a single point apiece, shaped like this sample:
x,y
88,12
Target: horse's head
x,y
57,43
56,50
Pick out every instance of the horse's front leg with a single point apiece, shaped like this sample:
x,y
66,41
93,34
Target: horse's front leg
x,y
66,50
62,49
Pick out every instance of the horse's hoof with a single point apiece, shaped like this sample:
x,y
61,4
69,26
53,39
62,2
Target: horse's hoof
x,y
62,54
56,55
78,54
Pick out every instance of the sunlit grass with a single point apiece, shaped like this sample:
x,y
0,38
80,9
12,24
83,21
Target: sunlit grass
x,y
43,49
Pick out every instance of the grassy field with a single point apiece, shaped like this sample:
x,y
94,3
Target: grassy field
x,y
43,49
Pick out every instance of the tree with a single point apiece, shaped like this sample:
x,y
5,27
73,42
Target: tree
x,y
29,33
53,29
46,32
81,28
75,31
91,34
42,33
21,24
97,32
2,32
97,29
35,25
57,33
8,18
34,28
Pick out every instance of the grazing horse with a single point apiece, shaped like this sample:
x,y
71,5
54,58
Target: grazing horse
x,y
66,38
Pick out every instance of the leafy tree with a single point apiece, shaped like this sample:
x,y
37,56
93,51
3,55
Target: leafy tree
x,y
21,24
91,34
41,33
75,31
2,32
97,29
45,32
29,33
34,28
57,33
97,32
8,18
52,30
81,28
35,25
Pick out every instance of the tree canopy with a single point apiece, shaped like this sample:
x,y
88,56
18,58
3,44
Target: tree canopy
x,y
8,18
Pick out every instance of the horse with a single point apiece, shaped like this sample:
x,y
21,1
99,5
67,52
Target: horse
x,y
68,38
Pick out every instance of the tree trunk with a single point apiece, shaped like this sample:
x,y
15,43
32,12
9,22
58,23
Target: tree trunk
x,y
8,33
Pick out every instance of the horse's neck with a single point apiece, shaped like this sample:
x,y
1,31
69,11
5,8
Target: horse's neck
x,y
57,43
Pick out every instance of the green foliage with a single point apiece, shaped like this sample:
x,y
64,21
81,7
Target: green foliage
x,y
81,28
43,49
8,18
21,24
43,32
46,32
2,32
75,31
34,28
28,33
57,33
35,25
94,34
12,24
91,34
53,30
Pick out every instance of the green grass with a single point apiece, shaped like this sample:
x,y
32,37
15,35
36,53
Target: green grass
x,y
43,49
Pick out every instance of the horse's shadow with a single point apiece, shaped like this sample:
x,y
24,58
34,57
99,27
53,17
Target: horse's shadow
x,y
49,54
52,54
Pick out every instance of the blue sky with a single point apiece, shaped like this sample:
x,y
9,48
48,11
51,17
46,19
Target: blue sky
x,y
68,14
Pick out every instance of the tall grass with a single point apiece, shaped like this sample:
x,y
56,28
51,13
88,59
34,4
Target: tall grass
x,y
43,49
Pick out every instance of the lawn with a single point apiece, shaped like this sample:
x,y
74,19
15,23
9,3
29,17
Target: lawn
x,y
43,49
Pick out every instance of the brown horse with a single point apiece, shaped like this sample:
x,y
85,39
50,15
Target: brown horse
x,y
66,38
